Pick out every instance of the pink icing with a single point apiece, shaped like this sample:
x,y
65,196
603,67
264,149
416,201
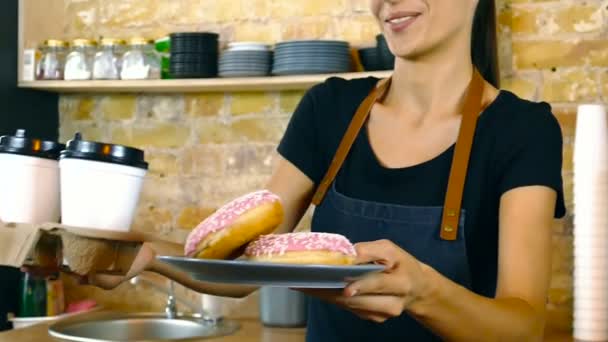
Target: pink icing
x,y
226,215
279,244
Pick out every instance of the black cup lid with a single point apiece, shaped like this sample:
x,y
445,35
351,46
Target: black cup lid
x,y
102,152
22,145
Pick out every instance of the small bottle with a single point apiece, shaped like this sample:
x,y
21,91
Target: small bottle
x,y
55,298
107,61
79,62
50,65
140,62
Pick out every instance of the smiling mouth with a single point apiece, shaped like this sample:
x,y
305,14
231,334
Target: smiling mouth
x,y
400,21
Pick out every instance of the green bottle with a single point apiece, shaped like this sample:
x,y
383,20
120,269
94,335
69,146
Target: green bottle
x,y
32,301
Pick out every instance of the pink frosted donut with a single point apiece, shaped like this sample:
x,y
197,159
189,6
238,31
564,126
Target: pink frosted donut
x,y
235,225
302,248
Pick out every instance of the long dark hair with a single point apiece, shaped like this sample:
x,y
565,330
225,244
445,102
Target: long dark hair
x,y
484,48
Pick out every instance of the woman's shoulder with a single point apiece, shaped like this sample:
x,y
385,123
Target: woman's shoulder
x,y
339,91
515,116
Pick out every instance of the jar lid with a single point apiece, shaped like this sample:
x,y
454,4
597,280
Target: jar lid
x,y
112,41
102,152
55,43
20,144
140,41
83,42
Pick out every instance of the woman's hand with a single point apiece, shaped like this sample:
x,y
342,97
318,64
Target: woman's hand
x,y
145,257
381,296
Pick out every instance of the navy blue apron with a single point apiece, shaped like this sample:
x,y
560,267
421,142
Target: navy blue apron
x,y
417,230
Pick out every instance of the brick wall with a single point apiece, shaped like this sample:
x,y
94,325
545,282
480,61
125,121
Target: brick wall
x,y
207,148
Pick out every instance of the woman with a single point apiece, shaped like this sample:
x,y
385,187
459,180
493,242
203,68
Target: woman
x,y
479,273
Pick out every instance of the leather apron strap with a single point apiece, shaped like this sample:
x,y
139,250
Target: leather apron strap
x,y
471,107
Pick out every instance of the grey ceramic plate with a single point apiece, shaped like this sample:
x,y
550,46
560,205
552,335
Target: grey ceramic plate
x,y
269,274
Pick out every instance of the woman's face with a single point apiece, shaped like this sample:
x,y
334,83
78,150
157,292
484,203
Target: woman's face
x,y
414,28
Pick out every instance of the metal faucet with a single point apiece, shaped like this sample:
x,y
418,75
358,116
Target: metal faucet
x,y
171,306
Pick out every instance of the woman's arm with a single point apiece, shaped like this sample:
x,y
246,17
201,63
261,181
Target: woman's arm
x,y
288,182
517,313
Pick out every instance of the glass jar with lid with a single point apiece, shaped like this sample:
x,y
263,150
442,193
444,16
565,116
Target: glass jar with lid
x,y
79,62
140,62
107,61
52,59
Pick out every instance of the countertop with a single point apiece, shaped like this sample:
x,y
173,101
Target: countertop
x,y
251,331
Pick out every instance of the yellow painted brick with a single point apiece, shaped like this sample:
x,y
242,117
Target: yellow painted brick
x,y
567,120
248,103
247,130
560,296
255,9
161,190
204,160
523,20
289,100
229,11
81,18
562,253
568,153
260,130
505,19
522,87
290,8
118,107
357,30
263,32
570,86
77,108
360,6
307,28
162,164
207,104
184,12
190,217
153,219
153,135
550,54
129,13
90,131
580,17
604,83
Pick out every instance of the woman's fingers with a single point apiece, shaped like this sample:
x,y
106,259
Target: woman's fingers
x,y
382,251
370,316
389,306
376,284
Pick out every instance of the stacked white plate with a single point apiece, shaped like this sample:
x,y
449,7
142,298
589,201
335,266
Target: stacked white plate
x,y
245,59
591,224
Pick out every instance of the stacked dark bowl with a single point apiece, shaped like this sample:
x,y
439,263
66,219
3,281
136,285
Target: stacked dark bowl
x,y
194,55
386,59
377,57
369,58
300,57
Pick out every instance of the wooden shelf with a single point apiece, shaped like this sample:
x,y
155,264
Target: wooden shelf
x,y
248,84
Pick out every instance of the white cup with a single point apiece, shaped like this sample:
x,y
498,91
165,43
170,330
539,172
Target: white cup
x,y
100,184
99,195
29,181
29,189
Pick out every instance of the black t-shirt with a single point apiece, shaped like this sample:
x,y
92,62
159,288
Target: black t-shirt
x,y
517,143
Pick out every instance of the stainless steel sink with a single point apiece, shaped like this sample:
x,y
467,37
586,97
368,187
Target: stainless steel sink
x,y
109,327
